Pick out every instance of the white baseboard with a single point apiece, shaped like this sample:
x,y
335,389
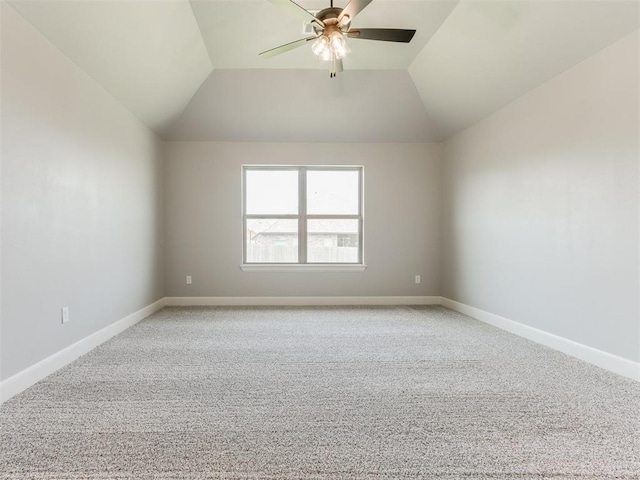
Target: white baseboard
x,y
24,379
299,301
608,361
29,376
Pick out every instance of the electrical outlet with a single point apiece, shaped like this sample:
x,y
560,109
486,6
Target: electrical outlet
x,y
417,278
65,314
189,282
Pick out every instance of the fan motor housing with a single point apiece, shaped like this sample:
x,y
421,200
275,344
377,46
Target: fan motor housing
x,y
329,16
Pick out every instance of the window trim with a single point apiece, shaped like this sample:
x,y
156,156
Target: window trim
x,y
302,216
303,267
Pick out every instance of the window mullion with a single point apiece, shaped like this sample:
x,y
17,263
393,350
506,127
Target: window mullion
x,y
257,216
337,216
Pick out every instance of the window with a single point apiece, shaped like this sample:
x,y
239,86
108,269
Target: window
x,y
302,215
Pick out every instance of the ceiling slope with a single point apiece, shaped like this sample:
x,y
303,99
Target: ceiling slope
x,y
236,31
305,106
148,54
488,53
467,60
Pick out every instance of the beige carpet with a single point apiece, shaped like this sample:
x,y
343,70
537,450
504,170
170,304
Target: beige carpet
x,y
322,393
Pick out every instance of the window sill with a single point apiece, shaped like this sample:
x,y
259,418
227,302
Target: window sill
x,y
317,267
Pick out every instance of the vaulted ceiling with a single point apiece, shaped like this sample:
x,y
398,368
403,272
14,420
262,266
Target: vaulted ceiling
x,y
190,70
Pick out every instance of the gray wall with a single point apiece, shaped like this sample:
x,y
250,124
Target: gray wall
x,y
81,202
204,224
540,206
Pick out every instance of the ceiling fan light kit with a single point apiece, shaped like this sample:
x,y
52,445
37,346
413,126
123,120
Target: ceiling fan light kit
x,y
332,26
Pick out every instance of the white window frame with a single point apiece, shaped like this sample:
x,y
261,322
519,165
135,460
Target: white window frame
x,y
302,216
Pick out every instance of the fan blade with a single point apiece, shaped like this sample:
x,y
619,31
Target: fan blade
x,y
383,34
296,9
286,47
353,8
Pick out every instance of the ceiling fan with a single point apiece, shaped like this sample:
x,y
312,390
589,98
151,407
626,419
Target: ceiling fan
x,y
331,26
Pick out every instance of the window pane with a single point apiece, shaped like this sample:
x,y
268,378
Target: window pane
x,y
332,192
272,192
332,241
272,240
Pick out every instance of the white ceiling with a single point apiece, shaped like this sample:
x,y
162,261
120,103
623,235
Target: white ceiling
x,y
148,54
235,32
468,59
488,53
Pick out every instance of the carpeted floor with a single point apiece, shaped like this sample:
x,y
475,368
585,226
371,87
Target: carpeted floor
x,y
322,393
